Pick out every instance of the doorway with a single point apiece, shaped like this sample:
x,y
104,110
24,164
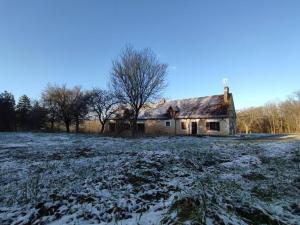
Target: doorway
x,y
194,128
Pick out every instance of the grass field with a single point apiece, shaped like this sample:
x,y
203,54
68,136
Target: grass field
x,y
80,179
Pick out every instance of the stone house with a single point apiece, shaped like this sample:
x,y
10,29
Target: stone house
x,y
211,115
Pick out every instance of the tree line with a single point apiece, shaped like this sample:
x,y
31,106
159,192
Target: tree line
x,y
273,117
137,78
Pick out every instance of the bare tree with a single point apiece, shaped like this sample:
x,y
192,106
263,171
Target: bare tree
x,y
245,120
297,109
103,103
80,106
51,106
273,117
287,109
137,77
64,99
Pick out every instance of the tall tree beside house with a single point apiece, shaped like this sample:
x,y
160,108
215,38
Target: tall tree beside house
x,y
7,112
103,103
23,112
137,78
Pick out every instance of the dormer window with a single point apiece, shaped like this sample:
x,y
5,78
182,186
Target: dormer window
x,y
173,112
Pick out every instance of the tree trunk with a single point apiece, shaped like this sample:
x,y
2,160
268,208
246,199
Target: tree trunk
x,y
102,127
246,129
67,123
52,125
134,129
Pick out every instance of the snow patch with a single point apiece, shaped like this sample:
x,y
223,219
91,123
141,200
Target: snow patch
x,y
243,161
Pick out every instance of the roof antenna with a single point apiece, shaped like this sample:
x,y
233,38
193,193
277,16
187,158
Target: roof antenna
x,y
225,82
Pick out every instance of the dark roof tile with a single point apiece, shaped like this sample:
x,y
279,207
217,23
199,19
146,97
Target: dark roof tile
x,y
210,106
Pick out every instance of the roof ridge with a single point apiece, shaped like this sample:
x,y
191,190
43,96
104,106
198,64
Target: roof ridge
x,y
193,98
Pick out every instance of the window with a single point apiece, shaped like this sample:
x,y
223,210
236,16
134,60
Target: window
x,y
213,126
183,126
168,123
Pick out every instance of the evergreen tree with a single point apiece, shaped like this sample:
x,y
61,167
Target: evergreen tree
x,y
7,112
38,117
23,112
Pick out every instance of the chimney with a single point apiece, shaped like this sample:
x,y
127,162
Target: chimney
x,y
226,94
162,101
226,91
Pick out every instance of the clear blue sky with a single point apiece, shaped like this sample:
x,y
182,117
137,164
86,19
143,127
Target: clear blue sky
x,y
255,44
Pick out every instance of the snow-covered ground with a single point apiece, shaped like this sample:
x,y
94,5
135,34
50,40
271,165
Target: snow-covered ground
x,y
80,179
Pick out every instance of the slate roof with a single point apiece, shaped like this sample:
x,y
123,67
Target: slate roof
x,y
202,107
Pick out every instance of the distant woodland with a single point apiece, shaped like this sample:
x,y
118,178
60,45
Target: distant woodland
x,y
273,117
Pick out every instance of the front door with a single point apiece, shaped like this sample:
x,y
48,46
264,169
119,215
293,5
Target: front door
x,y
194,127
